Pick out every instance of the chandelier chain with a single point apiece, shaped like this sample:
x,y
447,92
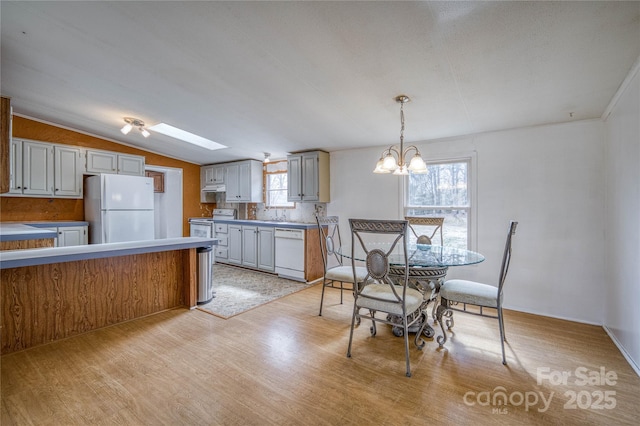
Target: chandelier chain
x,y
401,122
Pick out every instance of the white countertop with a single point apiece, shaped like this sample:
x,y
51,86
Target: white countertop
x,y
42,256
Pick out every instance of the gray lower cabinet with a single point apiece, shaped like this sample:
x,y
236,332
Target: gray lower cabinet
x,y
70,235
252,247
249,244
235,244
222,249
266,249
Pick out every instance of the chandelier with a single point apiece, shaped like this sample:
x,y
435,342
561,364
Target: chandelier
x,y
393,159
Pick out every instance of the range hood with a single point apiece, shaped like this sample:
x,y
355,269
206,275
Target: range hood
x,y
214,188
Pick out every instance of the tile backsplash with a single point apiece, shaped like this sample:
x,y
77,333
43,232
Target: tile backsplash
x,y
303,212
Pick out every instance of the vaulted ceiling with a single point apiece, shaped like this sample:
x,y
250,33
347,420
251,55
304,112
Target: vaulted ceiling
x,y
287,76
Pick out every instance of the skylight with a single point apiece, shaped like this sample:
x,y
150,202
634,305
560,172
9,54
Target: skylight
x,y
183,135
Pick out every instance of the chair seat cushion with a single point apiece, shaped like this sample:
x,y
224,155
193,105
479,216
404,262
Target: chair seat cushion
x,y
345,274
389,303
471,292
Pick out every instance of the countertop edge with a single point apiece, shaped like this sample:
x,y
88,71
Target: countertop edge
x,y
42,256
270,223
59,224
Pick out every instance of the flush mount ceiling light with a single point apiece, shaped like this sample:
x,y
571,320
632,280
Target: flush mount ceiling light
x,y
134,122
267,157
183,135
393,158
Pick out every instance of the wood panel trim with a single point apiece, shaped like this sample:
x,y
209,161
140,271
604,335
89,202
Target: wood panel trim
x,y
5,136
45,303
27,244
190,277
314,268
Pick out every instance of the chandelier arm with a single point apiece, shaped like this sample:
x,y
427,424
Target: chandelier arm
x,y
409,148
392,149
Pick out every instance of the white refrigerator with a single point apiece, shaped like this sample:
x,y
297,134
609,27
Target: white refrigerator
x,y
119,208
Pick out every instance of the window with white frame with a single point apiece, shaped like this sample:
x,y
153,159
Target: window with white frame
x,y
443,191
276,185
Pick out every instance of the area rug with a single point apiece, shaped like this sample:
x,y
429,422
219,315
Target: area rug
x,y
238,290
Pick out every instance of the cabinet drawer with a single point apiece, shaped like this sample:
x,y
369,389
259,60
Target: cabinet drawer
x,y
221,253
222,227
224,240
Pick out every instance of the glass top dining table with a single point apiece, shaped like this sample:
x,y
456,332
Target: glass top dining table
x,y
428,266
426,256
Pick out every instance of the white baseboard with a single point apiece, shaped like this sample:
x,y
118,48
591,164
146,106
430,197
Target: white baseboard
x,y
527,311
622,350
612,336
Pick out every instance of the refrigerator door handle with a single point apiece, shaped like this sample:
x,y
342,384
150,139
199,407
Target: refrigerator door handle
x,y
105,226
103,194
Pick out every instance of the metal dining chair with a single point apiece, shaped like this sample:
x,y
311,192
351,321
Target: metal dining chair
x,y
415,222
380,291
416,226
334,269
456,292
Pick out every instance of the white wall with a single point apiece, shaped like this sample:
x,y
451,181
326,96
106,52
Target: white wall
x,y
168,204
622,313
549,178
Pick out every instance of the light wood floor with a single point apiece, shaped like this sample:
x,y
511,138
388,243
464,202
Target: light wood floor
x,y
281,364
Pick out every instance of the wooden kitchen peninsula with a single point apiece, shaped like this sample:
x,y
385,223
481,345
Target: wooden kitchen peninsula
x,y
49,294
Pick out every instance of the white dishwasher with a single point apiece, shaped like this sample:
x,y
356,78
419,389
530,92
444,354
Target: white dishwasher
x,y
290,253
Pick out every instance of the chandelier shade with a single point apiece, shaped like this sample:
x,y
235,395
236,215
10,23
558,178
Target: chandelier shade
x,y
393,160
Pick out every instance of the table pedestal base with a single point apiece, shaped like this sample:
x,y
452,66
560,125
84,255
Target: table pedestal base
x,y
427,281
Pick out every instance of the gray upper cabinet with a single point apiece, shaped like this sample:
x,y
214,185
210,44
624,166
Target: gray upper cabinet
x,y
213,175
113,162
308,177
67,171
37,168
130,165
40,169
243,182
15,166
102,162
